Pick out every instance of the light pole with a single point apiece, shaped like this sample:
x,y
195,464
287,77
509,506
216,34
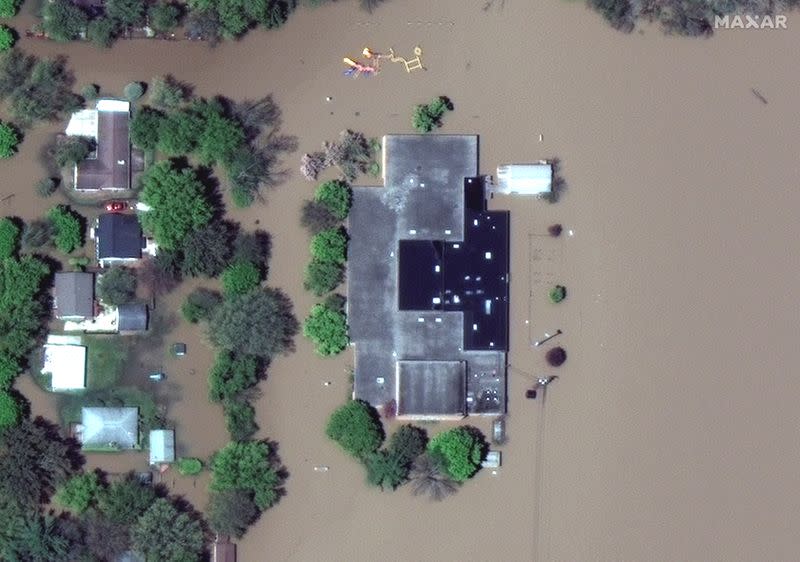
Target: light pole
x,y
547,337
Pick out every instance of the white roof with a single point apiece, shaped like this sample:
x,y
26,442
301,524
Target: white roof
x,y
162,446
66,365
113,105
83,123
525,179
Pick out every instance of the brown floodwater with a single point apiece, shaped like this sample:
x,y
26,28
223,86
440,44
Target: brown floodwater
x,y
671,431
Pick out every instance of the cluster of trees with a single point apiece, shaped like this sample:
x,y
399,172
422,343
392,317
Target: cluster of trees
x,y
23,313
215,132
323,217
229,379
63,20
212,19
34,89
433,467
246,480
352,153
428,117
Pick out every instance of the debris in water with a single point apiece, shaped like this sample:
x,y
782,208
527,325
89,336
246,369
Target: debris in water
x,y
757,94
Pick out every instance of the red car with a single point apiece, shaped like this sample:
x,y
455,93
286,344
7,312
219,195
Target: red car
x,y
116,206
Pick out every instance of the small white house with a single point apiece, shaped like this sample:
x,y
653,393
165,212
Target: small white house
x,y
525,179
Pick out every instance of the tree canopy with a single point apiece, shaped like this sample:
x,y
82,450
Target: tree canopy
x,y
330,245
117,286
200,304
127,13
145,127
356,427
7,38
323,276
67,227
247,466
125,500
163,16
79,492
240,278
8,8
165,534
407,443
63,20
240,419
21,309
9,238
230,375
336,196
178,204
9,139
166,92
231,512
459,450
386,470
327,328
258,323
207,250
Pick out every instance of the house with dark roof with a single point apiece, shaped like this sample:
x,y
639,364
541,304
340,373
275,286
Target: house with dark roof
x,y
132,317
74,296
118,239
108,167
428,273
109,428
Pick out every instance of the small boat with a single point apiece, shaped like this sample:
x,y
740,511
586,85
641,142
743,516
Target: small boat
x,y
157,376
321,468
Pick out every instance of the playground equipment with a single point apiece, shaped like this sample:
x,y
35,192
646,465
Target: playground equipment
x,y
373,62
357,69
411,65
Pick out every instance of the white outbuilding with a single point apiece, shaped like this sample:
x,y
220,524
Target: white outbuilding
x,y
525,179
66,364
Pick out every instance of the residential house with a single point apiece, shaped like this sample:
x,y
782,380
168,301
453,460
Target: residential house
x,y
108,167
113,428
74,296
118,239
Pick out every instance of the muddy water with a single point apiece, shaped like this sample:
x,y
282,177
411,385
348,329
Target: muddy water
x,y
670,434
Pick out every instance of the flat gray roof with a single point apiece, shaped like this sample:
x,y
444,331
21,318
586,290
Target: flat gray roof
x,y
431,389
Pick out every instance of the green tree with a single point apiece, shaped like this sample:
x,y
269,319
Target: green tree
x,y
8,8
68,228
166,92
327,328
232,17
9,369
429,117
316,218
558,294
63,21
178,204
9,238
200,304
7,38
330,245
259,323
323,276
240,420
125,500
102,32
116,286
207,250
164,534
240,277
10,410
460,451
15,70
145,128
230,375
179,132
9,139
336,196
37,538
248,466
231,512
79,492
163,17
44,93
128,13
356,427
71,150
407,443
220,138
385,470
21,309
34,461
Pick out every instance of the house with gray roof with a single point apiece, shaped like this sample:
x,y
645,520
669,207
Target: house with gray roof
x,y
74,296
109,428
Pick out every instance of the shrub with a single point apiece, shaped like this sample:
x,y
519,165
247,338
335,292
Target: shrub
x,y
46,187
200,304
459,450
554,230
558,293
327,328
330,246
429,117
7,38
240,420
230,375
316,218
90,92
71,150
10,410
9,238
356,427
189,466
102,31
133,91
556,356
323,276
79,492
67,228
116,286
8,8
311,165
240,278
336,196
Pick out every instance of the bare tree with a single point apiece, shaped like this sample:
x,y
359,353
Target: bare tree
x,y
427,479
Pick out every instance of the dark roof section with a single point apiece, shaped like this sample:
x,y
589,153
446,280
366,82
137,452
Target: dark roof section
x,y
132,317
470,276
111,166
119,236
431,388
74,295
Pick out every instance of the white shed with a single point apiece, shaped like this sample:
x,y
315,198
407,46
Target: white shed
x,y
66,364
525,179
162,446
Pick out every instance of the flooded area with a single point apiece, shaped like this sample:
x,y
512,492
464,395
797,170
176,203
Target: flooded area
x,y
670,433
